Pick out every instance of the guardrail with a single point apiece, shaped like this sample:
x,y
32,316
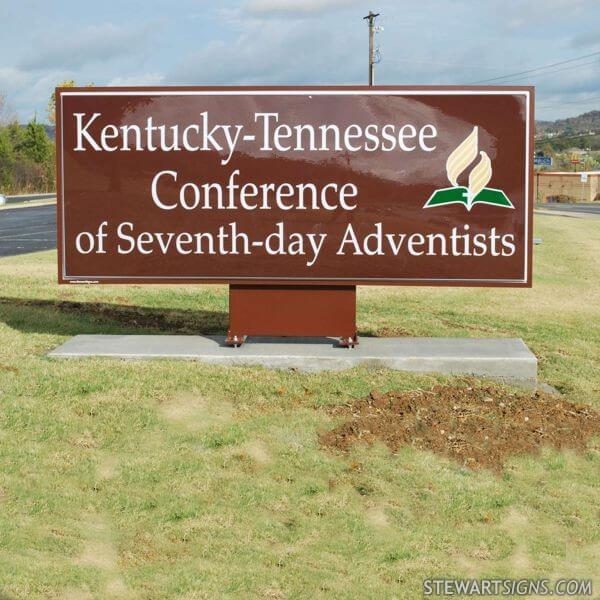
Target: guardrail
x,y
29,197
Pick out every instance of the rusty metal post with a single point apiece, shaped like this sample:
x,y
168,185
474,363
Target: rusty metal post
x,y
289,310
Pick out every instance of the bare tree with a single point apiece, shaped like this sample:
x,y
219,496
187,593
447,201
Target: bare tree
x,y
51,109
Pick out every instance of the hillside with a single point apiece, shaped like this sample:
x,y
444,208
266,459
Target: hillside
x,y
50,131
589,121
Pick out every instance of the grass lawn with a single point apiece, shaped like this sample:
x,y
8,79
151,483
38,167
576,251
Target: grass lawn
x,y
168,479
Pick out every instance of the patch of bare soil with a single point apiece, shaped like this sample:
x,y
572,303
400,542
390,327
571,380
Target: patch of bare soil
x,y
477,426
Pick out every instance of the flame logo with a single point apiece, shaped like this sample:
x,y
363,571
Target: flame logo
x,y
475,191
461,157
481,174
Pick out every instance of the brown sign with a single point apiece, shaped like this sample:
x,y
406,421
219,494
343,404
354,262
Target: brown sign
x,y
386,185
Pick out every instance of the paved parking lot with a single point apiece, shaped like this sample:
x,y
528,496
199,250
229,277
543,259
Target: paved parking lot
x,y
27,229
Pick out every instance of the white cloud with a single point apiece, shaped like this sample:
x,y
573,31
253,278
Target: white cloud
x,y
93,43
132,80
11,78
295,42
590,38
523,14
298,7
272,53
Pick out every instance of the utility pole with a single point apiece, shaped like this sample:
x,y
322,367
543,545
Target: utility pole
x,y
371,18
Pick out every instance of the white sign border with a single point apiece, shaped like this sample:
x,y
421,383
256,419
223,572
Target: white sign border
x,y
303,92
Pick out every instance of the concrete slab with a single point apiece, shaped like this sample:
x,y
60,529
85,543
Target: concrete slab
x,y
505,359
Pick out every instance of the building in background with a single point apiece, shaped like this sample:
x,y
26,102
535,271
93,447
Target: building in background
x,y
558,186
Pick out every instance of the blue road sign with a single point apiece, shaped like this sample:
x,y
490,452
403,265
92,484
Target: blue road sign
x,y
542,161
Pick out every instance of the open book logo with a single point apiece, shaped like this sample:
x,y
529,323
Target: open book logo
x,y
475,192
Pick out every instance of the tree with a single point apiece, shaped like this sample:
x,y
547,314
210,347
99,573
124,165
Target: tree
x,y
547,149
51,110
33,169
590,163
34,143
26,155
7,160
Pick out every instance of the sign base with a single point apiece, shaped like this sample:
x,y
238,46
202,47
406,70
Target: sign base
x,y
290,310
507,360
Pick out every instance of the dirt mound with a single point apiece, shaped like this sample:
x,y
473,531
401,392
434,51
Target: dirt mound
x,y
478,426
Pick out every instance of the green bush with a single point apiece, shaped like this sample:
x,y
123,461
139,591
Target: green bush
x,y
26,159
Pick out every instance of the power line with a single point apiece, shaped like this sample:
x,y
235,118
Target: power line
x,y
556,64
581,101
441,64
570,68
561,103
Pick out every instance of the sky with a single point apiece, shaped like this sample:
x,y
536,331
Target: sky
x,y
294,42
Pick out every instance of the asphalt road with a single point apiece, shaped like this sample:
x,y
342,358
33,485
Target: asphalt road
x,y
592,209
27,229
